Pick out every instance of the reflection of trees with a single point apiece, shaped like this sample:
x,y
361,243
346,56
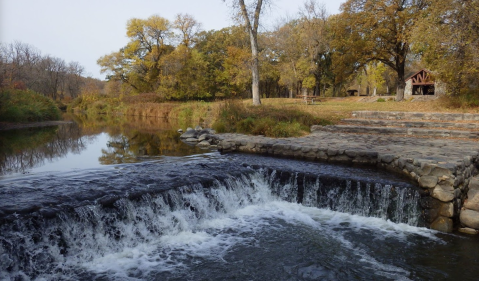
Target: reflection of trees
x,y
130,145
117,152
135,136
21,150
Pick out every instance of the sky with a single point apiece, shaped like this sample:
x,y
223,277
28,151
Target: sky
x,y
85,30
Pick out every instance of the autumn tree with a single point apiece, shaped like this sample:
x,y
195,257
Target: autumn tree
x,y
225,52
315,40
379,30
447,37
138,63
250,13
189,28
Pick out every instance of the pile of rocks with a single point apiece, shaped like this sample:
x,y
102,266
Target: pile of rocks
x,y
204,138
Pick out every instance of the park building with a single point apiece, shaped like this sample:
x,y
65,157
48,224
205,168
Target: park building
x,y
423,83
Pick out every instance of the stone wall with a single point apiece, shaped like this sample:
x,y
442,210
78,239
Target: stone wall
x,y
444,184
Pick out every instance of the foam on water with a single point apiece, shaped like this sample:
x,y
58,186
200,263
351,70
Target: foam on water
x,y
213,238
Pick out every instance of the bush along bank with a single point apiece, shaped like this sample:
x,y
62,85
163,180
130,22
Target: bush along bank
x,y
277,122
26,106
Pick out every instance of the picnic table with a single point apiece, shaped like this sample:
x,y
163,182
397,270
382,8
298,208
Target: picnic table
x,y
306,99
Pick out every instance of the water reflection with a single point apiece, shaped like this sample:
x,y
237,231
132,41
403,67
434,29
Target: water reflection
x,y
21,150
89,141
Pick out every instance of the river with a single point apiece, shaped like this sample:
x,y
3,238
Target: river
x,y
117,199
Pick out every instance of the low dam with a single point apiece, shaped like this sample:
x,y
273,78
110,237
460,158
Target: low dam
x,y
196,217
443,162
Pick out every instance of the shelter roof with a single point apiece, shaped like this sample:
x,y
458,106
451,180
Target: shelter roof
x,y
422,77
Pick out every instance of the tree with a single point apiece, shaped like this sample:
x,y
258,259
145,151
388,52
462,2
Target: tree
x,y
315,39
138,63
380,30
285,42
251,21
375,78
225,52
447,37
189,28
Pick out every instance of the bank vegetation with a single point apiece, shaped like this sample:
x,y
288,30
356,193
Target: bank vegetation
x,y
371,45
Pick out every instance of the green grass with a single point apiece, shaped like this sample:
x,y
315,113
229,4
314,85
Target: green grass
x,y
26,106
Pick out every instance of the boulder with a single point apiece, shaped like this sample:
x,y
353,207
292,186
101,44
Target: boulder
x,y
426,168
428,181
472,202
205,131
190,133
387,158
470,218
204,144
468,230
474,183
447,210
442,171
442,224
443,193
191,140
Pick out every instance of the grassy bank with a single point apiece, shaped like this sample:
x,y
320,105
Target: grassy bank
x,y
271,121
26,106
275,118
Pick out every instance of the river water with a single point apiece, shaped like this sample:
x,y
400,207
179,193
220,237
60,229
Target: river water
x,y
119,200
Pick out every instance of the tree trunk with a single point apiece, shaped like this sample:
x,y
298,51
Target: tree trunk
x,y
253,35
401,84
255,68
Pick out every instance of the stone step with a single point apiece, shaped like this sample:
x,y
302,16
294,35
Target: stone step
x,y
416,132
396,115
410,124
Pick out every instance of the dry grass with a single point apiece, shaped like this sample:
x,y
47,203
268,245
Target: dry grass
x,y
159,110
335,109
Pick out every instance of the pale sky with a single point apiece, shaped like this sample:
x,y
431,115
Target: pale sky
x,y
85,30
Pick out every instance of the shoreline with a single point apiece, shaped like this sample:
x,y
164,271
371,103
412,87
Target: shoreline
x,y
6,126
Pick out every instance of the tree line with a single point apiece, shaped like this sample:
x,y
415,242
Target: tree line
x,y
22,66
372,44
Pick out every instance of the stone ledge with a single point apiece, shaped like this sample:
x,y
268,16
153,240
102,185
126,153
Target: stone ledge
x,y
444,167
410,124
419,132
415,115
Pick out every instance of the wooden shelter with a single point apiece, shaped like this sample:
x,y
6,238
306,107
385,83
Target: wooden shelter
x,y
422,83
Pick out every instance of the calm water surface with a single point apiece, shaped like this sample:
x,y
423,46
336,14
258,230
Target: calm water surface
x,y
117,199
89,143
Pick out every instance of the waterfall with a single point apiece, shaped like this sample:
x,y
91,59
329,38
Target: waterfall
x,y
35,247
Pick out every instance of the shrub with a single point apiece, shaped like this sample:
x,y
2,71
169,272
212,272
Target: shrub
x,y
265,120
24,106
284,129
381,100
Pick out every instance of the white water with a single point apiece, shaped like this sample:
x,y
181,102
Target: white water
x,y
172,234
